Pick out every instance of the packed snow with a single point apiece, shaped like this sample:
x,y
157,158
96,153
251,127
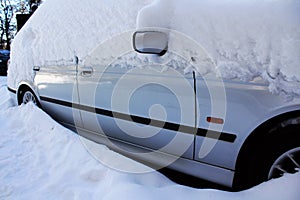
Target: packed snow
x,y
40,159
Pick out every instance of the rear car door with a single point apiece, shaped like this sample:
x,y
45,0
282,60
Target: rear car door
x,y
57,89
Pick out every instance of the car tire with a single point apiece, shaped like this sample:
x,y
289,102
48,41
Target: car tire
x,y
276,154
27,96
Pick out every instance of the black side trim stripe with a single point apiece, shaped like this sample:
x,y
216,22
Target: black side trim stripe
x,y
227,137
11,90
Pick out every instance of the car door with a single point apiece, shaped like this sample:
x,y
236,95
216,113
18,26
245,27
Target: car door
x,y
56,85
128,98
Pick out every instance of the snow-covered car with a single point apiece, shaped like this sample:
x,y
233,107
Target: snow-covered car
x,y
4,57
160,93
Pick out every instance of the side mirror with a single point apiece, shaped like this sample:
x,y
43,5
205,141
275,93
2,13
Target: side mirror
x,y
150,42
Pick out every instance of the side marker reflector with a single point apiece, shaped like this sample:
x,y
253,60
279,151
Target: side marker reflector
x,y
215,120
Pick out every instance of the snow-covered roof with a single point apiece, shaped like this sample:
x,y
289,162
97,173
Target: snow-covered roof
x,y
244,38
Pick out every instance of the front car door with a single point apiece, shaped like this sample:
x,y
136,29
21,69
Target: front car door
x,y
141,102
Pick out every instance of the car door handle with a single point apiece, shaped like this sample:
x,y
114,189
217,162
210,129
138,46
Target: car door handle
x,y
86,71
36,68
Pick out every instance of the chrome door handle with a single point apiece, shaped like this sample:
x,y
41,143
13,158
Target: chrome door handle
x,y
86,71
36,68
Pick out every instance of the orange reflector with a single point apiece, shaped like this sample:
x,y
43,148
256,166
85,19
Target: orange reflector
x,y
215,120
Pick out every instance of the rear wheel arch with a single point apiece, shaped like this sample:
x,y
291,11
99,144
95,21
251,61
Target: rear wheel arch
x,y
268,132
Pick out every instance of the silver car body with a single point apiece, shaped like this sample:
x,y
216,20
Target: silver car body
x,y
76,97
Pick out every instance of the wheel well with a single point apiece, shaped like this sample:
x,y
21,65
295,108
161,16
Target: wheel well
x,y
257,140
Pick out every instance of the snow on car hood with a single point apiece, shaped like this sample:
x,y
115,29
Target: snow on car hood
x,y
244,38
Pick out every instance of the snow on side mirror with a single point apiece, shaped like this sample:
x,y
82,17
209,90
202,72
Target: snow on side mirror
x,y
150,42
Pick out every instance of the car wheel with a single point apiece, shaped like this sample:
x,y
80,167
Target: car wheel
x,y
28,96
288,162
278,153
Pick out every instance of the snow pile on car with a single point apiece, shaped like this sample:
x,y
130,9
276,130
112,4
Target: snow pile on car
x,y
244,38
60,30
40,159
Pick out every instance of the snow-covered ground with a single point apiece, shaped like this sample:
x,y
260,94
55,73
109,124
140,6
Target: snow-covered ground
x,y
40,159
